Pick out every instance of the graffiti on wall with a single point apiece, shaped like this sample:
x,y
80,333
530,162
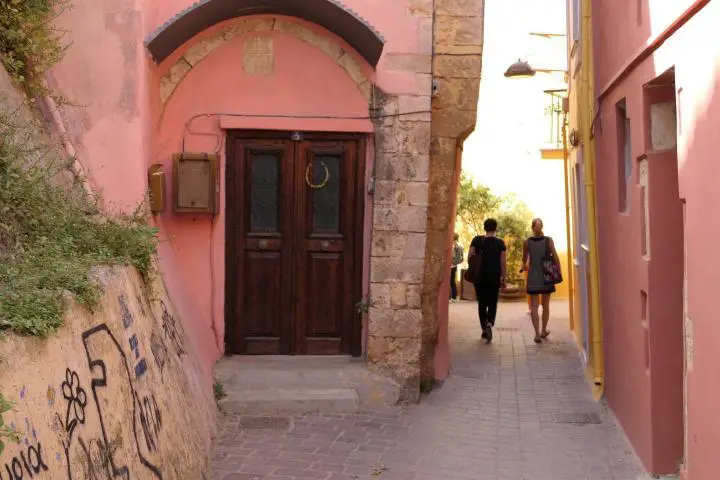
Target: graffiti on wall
x,y
150,420
76,401
103,456
27,464
140,362
172,331
98,442
159,352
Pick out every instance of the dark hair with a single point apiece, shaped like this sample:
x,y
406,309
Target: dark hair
x,y
490,225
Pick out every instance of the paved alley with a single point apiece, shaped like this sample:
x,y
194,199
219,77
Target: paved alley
x,y
512,410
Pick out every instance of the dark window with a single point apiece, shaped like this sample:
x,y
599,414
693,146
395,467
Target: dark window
x,y
326,200
264,179
624,156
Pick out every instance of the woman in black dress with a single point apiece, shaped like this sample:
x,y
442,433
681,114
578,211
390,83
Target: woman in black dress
x,y
535,249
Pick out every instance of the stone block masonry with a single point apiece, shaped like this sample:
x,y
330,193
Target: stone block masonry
x,y
458,40
416,167
402,153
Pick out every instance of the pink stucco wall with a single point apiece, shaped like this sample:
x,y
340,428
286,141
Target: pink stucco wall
x,y
644,358
294,89
121,128
102,75
403,33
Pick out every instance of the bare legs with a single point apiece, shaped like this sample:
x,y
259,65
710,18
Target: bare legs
x,y
545,298
529,297
535,301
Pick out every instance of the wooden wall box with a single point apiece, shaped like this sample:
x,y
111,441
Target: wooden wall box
x,y
156,188
195,177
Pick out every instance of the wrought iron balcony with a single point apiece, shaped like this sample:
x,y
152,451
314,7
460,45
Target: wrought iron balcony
x,y
553,139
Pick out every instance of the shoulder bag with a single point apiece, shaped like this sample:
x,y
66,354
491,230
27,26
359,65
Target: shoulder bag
x,y
551,269
474,265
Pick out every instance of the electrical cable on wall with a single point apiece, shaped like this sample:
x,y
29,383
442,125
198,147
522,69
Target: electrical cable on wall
x,y
218,136
212,283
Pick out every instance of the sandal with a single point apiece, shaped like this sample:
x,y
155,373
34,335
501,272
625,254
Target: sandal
x,y
538,339
545,334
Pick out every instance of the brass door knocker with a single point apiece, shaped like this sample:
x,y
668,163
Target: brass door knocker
x,y
308,174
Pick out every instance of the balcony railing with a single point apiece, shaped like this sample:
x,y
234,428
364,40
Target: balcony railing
x,y
554,118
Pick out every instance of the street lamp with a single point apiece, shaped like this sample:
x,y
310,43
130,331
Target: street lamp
x,y
522,69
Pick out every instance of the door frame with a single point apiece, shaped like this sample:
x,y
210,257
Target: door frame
x,y
231,274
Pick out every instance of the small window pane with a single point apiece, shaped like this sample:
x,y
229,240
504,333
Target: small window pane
x,y
326,200
264,179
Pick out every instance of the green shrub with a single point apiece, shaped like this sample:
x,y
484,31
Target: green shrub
x,y
51,237
29,42
6,433
476,202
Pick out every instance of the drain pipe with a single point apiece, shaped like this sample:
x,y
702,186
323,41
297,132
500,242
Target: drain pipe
x,y
596,328
75,167
568,225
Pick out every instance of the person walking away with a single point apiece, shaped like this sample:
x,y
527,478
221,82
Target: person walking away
x,y
491,275
458,257
536,249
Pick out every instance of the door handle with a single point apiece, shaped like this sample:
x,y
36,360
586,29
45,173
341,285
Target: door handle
x,y
308,175
263,244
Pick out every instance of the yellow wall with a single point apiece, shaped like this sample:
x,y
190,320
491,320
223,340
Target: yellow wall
x,y
563,289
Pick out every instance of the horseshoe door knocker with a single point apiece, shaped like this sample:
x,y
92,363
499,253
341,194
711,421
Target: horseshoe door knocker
x,y
308,174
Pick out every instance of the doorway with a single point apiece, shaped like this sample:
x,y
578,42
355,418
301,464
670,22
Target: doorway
x,y
294,246
662,244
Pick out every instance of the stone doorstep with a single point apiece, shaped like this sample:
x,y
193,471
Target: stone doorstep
x,y
274,401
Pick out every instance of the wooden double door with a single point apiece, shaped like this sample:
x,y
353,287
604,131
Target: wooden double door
x,y
294,243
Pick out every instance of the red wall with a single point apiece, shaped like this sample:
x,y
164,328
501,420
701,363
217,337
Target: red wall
x,y
644,357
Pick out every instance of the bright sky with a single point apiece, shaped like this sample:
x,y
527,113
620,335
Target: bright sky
x,y
504,151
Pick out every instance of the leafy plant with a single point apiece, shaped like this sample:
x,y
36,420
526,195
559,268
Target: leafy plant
x,y
51,237
363,306
219,391
5,431
476,202
29,42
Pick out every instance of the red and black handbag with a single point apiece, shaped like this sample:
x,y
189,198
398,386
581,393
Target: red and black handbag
x,y
550,265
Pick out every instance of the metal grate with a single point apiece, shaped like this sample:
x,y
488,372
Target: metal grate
x,y
557,380
264,423
506,329
579,419
467,373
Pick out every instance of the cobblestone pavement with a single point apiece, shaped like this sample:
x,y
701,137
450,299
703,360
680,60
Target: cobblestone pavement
x,y
512,410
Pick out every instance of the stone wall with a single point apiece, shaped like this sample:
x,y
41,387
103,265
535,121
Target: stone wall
x,y
457,64
414,187
400,218
113,394
398,243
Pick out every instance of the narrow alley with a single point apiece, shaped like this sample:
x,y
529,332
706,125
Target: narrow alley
x,y
512,410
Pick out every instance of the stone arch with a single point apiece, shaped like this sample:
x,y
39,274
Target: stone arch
x,y
200,50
